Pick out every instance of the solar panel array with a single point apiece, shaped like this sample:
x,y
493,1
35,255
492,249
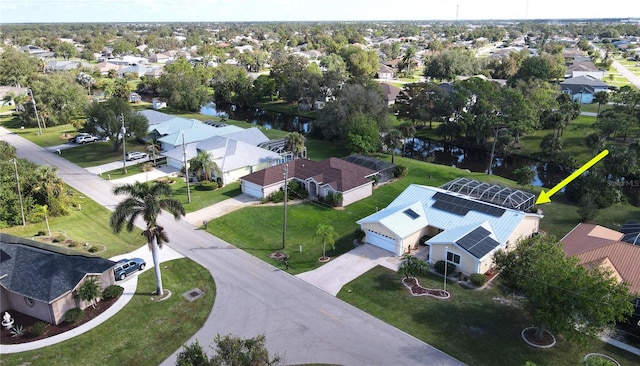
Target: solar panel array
x,y
478,242
461,206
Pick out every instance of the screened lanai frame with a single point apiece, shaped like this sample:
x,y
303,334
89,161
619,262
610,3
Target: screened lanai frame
x,y
492,193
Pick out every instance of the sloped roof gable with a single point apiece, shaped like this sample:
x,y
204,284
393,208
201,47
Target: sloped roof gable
x,y
40,272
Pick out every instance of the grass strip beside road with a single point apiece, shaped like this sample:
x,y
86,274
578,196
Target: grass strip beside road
x,y
476,327
87,222
144,332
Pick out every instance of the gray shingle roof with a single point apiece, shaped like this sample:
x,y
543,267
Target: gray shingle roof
x,y
44,272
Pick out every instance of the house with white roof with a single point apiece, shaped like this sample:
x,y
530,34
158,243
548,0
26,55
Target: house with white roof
x,y
464,226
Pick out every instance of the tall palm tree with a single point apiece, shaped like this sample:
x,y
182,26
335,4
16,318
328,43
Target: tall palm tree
x,y
408,58
204,166
601,97
146,201
394,139
154,149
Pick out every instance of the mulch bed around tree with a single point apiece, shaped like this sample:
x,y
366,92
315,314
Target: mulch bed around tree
x,y
416,290
547,339
27,321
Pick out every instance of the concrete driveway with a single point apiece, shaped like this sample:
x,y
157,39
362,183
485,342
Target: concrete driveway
x,y
349,266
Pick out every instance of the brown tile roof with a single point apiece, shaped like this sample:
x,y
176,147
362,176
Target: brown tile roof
x,y
624,257
339,174
585,237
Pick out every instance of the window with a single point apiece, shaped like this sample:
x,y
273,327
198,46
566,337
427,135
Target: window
x,y
453,258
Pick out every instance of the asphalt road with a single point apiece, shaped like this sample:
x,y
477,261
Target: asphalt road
x,y
301,323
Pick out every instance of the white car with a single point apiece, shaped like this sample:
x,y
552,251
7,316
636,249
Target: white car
x,y
135,155
86,138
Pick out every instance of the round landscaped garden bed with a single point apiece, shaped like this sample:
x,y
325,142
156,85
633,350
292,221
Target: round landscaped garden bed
x,y
598,359
546,341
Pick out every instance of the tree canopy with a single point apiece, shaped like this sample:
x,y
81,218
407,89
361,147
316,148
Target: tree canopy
x,y
564,297
106,119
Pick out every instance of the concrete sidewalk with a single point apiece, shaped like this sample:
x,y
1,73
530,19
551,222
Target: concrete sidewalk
x,y
331,276
129,284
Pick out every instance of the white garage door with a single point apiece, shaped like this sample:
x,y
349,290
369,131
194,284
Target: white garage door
x,y
381,241
251,189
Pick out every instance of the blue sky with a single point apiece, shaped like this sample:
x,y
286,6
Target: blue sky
x,y
52,11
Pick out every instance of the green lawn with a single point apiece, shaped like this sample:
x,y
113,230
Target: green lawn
x,y
86,222
201,199
98,153
593,108
144,332
473,326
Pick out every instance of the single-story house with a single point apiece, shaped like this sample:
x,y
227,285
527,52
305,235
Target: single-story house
x,y
177,132
54,66
104,67
385,72
598,246
154,73
41,280
583,88
390,93
320,179
584,68
463,230
235,158
137,70
385,171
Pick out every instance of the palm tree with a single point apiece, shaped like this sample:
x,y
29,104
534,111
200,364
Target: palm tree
x,y
408,130
146,201
326,235
408,59
154,149
294,142
394,138
601,97
204,166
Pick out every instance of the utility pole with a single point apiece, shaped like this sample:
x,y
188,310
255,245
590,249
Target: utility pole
x,y
186,169
15,166
285,174
123,132
33,101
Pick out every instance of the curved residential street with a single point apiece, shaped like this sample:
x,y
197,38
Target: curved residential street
x,y
302,323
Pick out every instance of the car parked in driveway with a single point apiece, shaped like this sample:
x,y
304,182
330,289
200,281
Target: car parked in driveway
x,y
83,139
135,155
125,267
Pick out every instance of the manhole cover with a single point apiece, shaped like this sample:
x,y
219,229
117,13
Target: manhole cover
x,y
193,294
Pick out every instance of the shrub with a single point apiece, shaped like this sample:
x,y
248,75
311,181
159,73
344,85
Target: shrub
x,y
112,292
73,315
38,328
41,233
334,199
478,279
439,266
207,186
93,249
74,243
359,234
400,171
59,238
219,182
276,196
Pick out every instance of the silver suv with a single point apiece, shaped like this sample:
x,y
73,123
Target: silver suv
x,y
124,267
82,139
135,155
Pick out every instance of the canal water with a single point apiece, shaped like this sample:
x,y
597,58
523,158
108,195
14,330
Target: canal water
x,y
475,160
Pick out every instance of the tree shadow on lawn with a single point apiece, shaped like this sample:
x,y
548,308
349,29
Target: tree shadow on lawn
x,y
387,282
